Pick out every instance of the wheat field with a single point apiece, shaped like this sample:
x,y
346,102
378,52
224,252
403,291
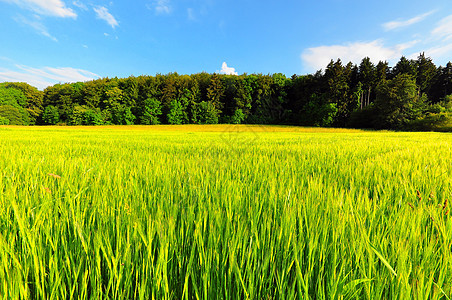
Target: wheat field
x,y
224,212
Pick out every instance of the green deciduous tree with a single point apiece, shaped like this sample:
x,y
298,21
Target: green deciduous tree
x,y
14,115
83,115
152,112
398,102
206,113
176,113
238,117
34,99
60,96
12,96
4,121
51,116
318,112
92,94
122,115
215,92
13,103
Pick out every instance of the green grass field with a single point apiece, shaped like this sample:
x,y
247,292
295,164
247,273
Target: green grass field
x,y
224,212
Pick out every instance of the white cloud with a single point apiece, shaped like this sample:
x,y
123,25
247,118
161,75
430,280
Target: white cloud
x,y
161,6
399,24
103,14
6,59
439,52
37,25
318,57
46,76
435,41
443,28
227,70
80,5
438,44
55,8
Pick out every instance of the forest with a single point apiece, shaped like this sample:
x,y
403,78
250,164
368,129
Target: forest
x,y
414,94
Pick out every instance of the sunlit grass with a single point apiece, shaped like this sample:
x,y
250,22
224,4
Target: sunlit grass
x,y
222,211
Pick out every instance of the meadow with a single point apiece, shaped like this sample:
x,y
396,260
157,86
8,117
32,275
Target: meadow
x,y
224,212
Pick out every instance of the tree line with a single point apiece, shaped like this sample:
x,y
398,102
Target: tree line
x,y
414,94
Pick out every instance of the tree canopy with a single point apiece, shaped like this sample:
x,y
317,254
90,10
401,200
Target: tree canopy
x,y
344,94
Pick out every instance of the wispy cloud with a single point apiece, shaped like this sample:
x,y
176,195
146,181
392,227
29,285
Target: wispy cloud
x,y
56,8
191,14
443,28
227,70
80,5
318,57
405,23
439,42
103,14
37,25
160,6
46,76
439,51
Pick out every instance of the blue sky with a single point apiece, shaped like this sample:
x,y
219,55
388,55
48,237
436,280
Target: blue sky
x,y
49,41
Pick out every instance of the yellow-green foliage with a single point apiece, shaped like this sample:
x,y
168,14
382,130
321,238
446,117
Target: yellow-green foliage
x,y
224,212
